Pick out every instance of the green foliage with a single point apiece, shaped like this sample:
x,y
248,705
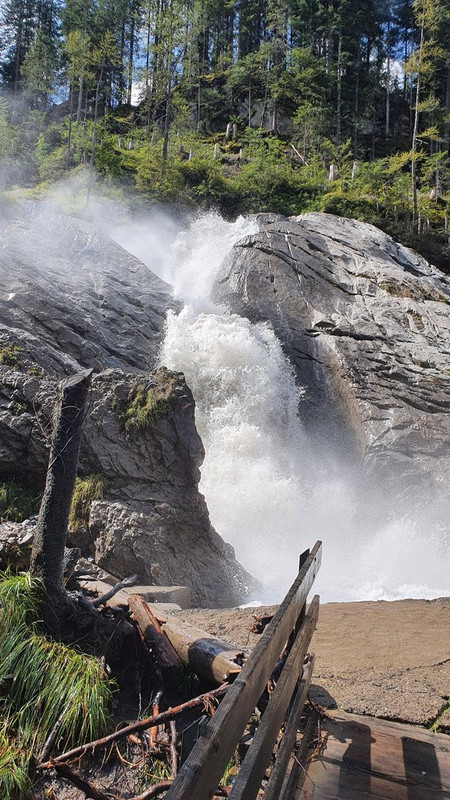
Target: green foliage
x,y
146,404
86,489
10,354
14,780
154,771
17,502
354,207
41,682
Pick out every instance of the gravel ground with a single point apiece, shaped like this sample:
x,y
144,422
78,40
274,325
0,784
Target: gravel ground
x,y
388,660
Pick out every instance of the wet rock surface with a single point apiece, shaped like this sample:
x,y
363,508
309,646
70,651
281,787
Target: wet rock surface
x,y
71,298
366,323
82,298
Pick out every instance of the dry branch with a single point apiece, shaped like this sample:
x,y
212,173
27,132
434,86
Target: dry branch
x,y
99,601
140,725
173,748
153,791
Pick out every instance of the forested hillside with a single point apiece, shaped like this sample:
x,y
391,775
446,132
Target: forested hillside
x,y
246,105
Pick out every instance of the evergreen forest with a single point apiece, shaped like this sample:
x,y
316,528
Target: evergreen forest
x,y
241,105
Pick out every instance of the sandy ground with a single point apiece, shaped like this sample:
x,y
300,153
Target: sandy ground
x,y
388,660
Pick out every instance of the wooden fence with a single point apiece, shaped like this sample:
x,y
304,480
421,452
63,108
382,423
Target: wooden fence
x,y
200,775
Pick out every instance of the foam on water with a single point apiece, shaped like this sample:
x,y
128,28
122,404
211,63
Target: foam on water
x,y
268,492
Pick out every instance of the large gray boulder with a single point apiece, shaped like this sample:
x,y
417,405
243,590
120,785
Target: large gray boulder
x,y
366,322
154,522
71,298
81,296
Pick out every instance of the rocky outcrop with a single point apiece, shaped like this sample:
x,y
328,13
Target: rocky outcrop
x,y
154,522
71,299
83,299
366,322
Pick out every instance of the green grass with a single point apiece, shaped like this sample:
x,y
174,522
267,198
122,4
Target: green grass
x,y
13,767
87,489
17,502
40,682
146,404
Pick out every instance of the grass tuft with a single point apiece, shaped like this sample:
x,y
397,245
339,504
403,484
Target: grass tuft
x,y
86,489
41,682
17,502
147,404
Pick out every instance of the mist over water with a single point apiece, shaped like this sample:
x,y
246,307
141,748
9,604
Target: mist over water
x,y
271,490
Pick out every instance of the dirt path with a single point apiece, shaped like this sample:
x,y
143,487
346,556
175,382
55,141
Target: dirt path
x,y
388,660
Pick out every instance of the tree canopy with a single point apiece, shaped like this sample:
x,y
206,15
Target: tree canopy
x,y
287,105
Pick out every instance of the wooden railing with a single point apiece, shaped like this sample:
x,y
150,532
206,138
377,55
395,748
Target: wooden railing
x,y
200,775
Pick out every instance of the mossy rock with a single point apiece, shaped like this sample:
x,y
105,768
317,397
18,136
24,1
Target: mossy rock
x,y
87,489
148,403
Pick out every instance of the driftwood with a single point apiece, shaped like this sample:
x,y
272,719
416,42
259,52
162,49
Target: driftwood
x,y
140,725
100,601
212,658
152,635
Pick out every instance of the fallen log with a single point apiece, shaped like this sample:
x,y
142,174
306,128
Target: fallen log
x,y
152,635
212,658
140,725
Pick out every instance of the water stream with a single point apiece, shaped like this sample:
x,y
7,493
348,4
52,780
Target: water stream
x,y
268,492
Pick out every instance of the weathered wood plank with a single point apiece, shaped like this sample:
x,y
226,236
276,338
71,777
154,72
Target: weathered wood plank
x,y
278,774
251,773
297,764
202,771
369,758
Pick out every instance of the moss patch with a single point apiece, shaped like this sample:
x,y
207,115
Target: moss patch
x,y
146,404
87,489
10,355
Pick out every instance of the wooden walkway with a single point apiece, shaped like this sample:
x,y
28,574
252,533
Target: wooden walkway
x,y
363,758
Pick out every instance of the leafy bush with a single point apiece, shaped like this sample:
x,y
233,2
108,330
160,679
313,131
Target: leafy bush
x,y
346,206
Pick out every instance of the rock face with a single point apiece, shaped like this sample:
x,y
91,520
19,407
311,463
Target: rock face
x,y
83,298
154,522
366,323
71,299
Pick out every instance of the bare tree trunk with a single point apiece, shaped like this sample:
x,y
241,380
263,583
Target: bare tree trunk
x,y
388,80
416,131
51,530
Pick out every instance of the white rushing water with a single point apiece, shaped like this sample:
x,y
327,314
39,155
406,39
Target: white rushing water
x,y
267,491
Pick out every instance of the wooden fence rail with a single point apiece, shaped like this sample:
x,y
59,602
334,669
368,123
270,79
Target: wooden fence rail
x,y
201,773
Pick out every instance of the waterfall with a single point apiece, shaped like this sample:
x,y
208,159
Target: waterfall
x,y
268,492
